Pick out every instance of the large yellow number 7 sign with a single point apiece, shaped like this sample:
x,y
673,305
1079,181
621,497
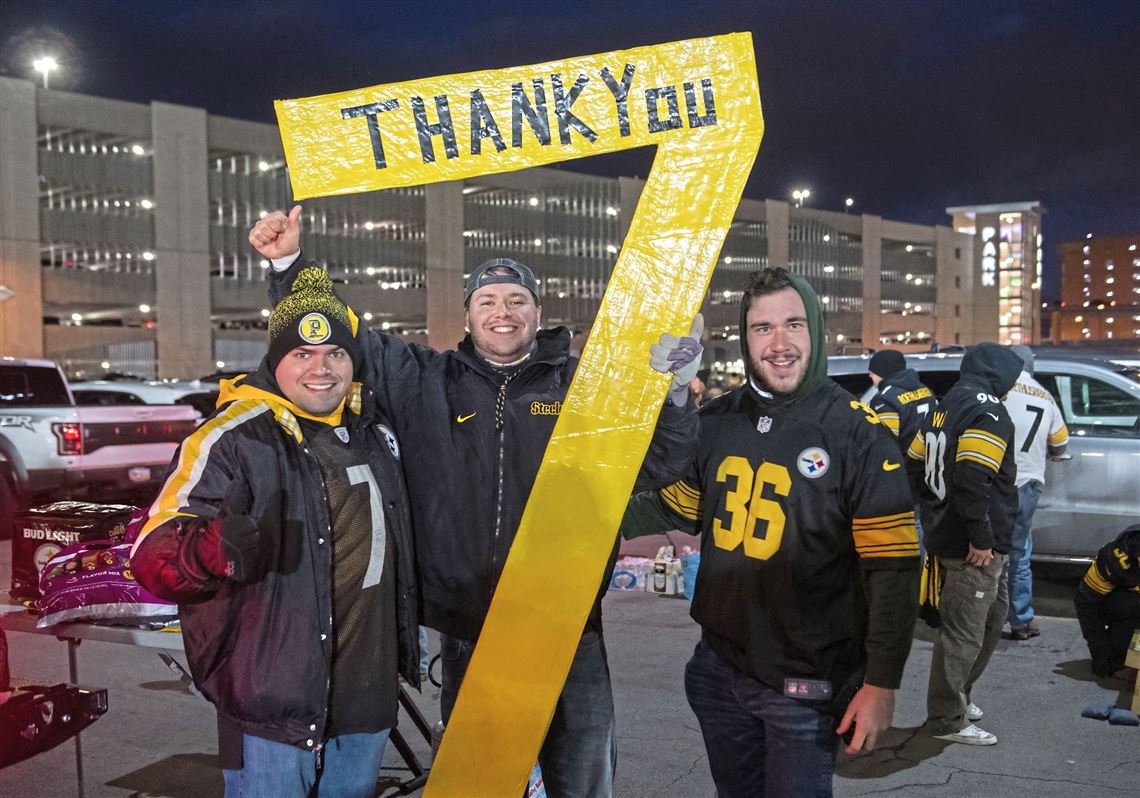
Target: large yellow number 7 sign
x,y
698,102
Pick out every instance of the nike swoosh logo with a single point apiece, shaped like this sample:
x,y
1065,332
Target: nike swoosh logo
x,y
889,466
461,419
991,415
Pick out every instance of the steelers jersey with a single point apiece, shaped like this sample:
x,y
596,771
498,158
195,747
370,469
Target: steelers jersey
x,y
795,503
1039,427
902,401
1115,566
968,472
365,651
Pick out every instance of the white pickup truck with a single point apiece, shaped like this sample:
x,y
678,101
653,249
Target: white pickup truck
x,y
51,449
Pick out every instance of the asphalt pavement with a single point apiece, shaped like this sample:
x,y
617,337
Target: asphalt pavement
x,y
158,740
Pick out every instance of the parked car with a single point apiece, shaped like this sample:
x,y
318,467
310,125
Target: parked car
x,y
1094,491
202,396
52,449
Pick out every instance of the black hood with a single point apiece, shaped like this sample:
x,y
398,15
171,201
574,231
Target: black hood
x,y
993,366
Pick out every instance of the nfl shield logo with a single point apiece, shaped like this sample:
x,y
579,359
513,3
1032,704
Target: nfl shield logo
x,y
764,424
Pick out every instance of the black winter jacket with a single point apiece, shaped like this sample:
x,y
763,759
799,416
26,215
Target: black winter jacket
x,y
261,651
471,460
961,462
901,402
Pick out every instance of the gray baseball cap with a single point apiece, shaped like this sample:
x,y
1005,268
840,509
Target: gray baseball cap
x,y
501,270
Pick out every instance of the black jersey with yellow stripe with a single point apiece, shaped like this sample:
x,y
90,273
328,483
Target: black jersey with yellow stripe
x,y
796,503
967,472
902,401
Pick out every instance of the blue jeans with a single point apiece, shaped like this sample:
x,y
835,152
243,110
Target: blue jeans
x,y
579,755
759,742
424,661
1020,577
276,770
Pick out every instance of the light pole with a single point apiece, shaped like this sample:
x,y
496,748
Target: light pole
x,y
847,203
45,64
800,195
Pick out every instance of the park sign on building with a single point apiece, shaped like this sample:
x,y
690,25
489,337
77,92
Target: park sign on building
x,y
698,102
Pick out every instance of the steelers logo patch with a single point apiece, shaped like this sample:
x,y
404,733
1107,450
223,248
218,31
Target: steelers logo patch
x,y
390,439
813,462
314,328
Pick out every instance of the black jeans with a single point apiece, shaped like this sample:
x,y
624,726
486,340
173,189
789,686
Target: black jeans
x,y
579,754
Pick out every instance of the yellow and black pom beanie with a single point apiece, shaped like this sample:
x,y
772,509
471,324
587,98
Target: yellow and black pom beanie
x,y
312,315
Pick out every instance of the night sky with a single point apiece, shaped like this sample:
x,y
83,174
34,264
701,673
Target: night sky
x,y
909,107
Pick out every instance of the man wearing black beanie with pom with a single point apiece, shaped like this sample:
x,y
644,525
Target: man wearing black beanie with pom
x,y
283,533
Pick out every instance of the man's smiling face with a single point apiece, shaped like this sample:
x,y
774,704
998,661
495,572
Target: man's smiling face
x,y
779,341
315,378
503,319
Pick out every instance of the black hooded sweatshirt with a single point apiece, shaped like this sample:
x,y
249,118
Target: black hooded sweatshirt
x,y
961,465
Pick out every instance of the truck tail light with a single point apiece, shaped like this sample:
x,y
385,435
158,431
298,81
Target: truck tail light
x,y
70,437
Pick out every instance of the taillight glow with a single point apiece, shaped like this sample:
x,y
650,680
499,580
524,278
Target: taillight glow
x,y
70,437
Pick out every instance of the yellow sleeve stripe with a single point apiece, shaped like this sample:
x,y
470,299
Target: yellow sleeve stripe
x,y
980,446
982,435
974,458
881,520
683,499
192,459
1060,437
891,420
1097,582
917,450
886,536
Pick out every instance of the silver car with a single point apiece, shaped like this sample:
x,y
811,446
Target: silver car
x,y
1093,492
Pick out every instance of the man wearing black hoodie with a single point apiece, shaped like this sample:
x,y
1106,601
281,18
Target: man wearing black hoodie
x,y
809,558
963,469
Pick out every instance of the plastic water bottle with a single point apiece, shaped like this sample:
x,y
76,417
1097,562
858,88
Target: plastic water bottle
x,y
534,786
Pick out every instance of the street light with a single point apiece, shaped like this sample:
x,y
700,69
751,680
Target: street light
x,y
800,195
45,64
847,203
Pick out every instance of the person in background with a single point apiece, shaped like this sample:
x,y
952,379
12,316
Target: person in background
x,y
962,467
1108,604
901,400
283,533
1039,432
699,385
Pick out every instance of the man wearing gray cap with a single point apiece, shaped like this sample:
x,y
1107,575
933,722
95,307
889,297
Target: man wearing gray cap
x,y
1039,432
476,421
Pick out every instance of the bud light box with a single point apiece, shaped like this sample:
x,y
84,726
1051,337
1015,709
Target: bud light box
x,y
38,535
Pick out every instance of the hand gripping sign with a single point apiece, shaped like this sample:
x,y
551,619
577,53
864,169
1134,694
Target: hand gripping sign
x,y
698,101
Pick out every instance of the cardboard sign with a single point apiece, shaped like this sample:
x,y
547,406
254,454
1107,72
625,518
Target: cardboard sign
x,y
698,102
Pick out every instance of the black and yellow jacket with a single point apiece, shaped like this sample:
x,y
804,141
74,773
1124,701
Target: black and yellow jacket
x,y
261,651
809,553
475,437
902,401
1108,601
960,461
